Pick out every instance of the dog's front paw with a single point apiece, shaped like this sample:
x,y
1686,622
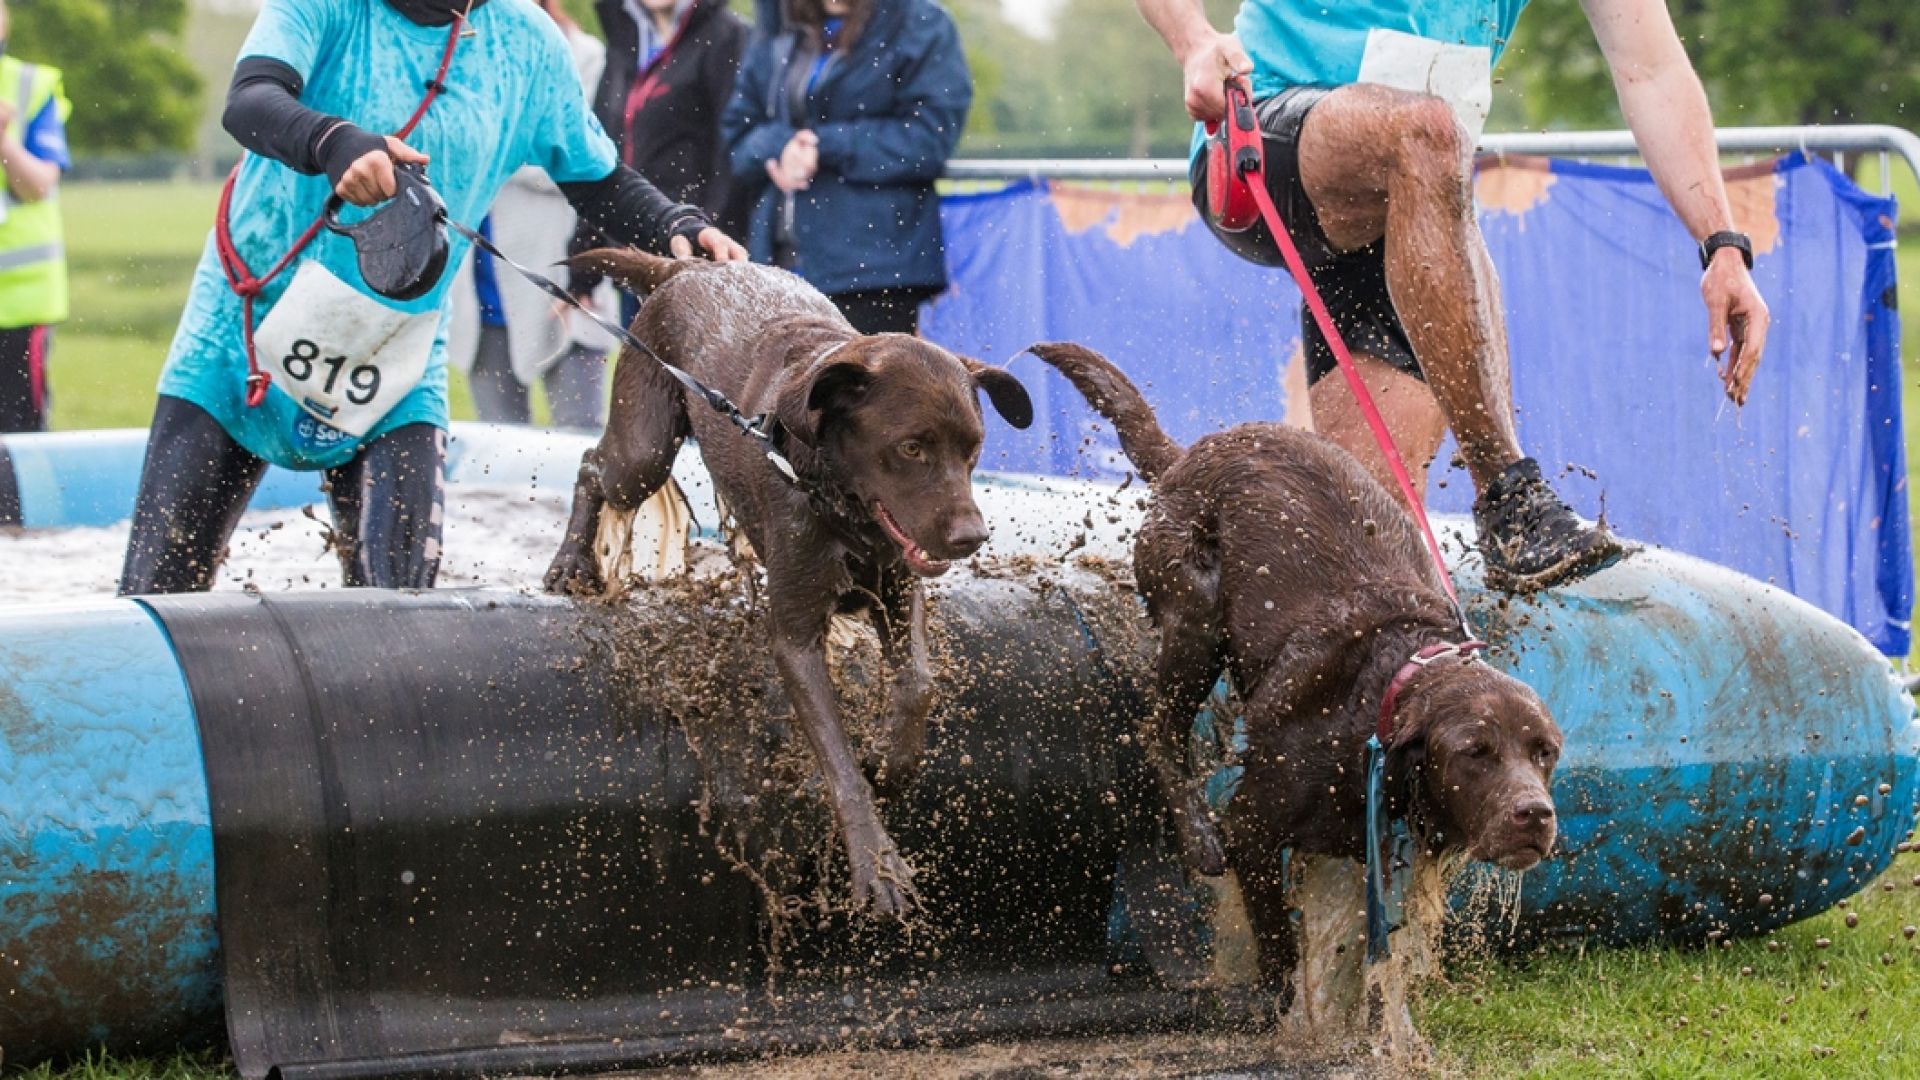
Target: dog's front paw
x,y
882,879
575,572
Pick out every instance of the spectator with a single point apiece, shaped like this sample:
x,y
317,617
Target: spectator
x,y
844,116
33,267
669,75
503,332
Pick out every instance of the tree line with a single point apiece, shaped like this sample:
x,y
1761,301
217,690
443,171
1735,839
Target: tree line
x,y
1103,84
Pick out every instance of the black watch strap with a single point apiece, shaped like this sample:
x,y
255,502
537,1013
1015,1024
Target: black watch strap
x,y
1726,239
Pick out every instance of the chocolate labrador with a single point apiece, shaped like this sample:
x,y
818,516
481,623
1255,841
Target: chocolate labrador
x,y
884,432
1272,554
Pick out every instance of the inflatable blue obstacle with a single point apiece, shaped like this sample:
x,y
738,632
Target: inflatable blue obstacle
x,y
470,831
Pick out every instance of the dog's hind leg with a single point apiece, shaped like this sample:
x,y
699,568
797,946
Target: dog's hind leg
x,y
1192,656
902,622
633,459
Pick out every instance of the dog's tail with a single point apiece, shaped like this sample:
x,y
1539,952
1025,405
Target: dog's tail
x,y
631,267
1114,397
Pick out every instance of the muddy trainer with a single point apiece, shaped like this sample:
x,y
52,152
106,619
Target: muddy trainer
x,y
290,351
1370,113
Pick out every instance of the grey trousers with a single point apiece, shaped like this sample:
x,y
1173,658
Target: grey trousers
x,y
575,386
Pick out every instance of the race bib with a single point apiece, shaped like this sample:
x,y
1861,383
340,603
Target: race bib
x,y
1460,75
346,358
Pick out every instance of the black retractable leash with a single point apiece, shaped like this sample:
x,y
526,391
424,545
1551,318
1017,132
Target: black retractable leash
x,y
403,252
761,429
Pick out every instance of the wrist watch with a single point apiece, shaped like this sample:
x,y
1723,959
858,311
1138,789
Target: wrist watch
x,y
1720,240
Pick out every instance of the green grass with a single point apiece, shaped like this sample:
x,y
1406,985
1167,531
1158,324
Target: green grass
x,y
1778,1007
1735,1012
204,1065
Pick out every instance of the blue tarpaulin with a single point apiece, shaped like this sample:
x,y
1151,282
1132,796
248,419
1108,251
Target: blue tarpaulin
x,y
1617,395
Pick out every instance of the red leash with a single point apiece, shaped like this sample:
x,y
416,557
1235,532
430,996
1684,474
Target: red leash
x,y
1247,162
241,279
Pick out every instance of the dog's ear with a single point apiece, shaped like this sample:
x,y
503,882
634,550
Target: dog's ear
x,y
1009,397
836,380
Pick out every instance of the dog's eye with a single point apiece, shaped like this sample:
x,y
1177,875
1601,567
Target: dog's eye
x,y
1544,756
1477,750
911,450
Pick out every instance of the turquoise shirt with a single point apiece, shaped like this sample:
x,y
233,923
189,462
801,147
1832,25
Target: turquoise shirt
x,y
512,99
1322,42
1325,43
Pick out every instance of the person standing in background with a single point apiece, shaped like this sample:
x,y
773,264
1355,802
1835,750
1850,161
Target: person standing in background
x,y
504,333
668,76
845,114
33,262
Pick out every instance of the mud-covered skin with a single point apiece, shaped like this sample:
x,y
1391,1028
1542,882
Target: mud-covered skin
x,y
1271,553
888,426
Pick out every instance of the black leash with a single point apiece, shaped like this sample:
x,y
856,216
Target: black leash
x,y
763,430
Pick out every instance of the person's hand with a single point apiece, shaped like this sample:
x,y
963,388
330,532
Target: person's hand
x,y
798,163
369,180
1737,321
714,244
1207,68
7,113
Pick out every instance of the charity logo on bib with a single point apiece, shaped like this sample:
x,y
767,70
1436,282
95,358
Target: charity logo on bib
x,y
1460,75
344,357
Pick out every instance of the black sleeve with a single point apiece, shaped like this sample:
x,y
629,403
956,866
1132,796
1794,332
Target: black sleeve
x,y
265,114
633,211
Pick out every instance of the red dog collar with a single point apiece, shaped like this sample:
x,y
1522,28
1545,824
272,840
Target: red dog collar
x,y
1413,667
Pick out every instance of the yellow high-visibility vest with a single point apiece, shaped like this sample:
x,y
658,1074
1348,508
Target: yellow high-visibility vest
x,y
33,259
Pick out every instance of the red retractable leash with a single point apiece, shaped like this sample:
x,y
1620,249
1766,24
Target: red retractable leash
x,y
241,279
1236,180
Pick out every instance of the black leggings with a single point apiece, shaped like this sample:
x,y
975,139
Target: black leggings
x,y
387,505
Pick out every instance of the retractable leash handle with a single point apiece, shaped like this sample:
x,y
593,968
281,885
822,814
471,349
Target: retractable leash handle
x,y
401,247
1234,152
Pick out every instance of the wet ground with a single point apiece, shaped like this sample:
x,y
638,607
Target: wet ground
x,y
1121,1058
497,537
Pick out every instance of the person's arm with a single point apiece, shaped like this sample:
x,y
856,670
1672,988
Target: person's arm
x,y
34,159
1666,107
632,211
913,144
1207,57
265,115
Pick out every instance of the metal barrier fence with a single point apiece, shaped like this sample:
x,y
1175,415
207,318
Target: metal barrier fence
x,y
1839,140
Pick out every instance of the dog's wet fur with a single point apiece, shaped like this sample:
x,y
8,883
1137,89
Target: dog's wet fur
x,y
1269,553
887,427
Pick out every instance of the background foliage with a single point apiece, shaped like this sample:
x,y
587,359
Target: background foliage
x,y
134,91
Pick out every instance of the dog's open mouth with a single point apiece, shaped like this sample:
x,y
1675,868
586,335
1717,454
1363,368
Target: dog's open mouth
x,y
917,558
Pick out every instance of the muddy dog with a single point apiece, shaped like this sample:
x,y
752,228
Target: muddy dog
x,y
884,432
1270,553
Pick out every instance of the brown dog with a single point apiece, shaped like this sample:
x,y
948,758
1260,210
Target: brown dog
x,y
884,432
1271,553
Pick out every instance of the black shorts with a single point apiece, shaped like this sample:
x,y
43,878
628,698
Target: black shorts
x,y
1353,283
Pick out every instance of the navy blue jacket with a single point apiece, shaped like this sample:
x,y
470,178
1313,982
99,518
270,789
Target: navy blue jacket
x,y
888,111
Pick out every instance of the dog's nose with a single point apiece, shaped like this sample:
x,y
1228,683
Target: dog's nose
x,y
967,533
1533,812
